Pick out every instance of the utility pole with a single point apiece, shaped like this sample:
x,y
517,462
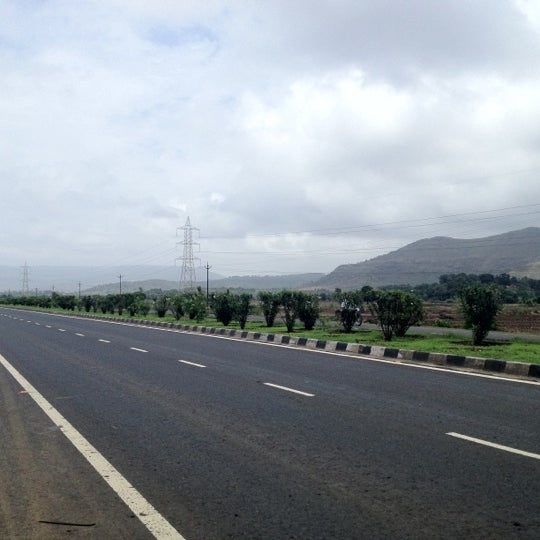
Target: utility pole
x,y
187,275
207,280
79,290
120,276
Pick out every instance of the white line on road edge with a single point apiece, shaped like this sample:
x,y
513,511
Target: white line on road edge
x,y
138,350
191,363
495,445
287,389
146,513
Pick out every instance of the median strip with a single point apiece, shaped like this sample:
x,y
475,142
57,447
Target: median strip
x,y
287,389
494,445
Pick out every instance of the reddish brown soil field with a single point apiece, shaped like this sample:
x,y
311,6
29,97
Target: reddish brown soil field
x,y
512,318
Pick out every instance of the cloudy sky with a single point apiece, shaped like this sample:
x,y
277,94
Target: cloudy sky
x,y
297,135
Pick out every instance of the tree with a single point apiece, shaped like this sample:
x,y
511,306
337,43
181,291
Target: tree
x,y
161,305
87,302
195,305
411,312
350,310
480,305
120,302
307,309
270,302
63,301
142,306
224,306
136,303
106,303
396,311
290,306
177,306
243,305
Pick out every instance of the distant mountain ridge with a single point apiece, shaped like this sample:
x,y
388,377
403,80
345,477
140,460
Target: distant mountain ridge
x,y
515,252
258,283
69,278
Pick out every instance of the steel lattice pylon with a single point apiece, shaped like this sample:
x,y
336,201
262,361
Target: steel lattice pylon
x,y
25,280
187,276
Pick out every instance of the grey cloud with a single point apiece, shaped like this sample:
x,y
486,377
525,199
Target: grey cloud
x,y
119,120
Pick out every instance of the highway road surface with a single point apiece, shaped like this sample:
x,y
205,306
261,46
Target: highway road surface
x,y
115,431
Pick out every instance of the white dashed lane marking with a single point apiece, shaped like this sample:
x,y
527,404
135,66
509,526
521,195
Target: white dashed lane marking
x,y
495,445
287,389
194,364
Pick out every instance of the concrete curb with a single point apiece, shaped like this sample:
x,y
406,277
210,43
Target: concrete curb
x,y
449,361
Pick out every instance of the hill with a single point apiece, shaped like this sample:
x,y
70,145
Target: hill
x,y
66,279
257,283
515,252
267,283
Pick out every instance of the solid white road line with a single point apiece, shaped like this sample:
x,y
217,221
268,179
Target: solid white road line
x,y
191,363
138,350
147,514
287,389
495,445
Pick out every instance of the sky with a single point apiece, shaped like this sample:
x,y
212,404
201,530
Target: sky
x,y
295,135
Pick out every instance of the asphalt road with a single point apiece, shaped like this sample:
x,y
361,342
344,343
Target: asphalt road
x,y
229,439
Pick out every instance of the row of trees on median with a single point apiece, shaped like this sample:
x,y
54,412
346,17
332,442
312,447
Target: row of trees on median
x,y
396,311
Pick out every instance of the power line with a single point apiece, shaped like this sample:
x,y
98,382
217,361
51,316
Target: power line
x,y
418,222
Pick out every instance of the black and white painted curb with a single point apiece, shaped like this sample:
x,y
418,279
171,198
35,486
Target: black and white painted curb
x,y
492,366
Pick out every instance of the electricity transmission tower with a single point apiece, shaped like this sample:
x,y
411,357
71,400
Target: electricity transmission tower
x,y
187,276
25,280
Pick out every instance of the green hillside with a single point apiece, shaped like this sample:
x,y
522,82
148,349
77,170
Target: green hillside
x,y
516,252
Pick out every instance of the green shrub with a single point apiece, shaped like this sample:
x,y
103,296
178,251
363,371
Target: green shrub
x,y
270,302
396,312
480,305
307,309
161,305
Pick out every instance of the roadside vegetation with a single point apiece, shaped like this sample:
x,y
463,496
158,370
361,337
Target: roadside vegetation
x,y
336,316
